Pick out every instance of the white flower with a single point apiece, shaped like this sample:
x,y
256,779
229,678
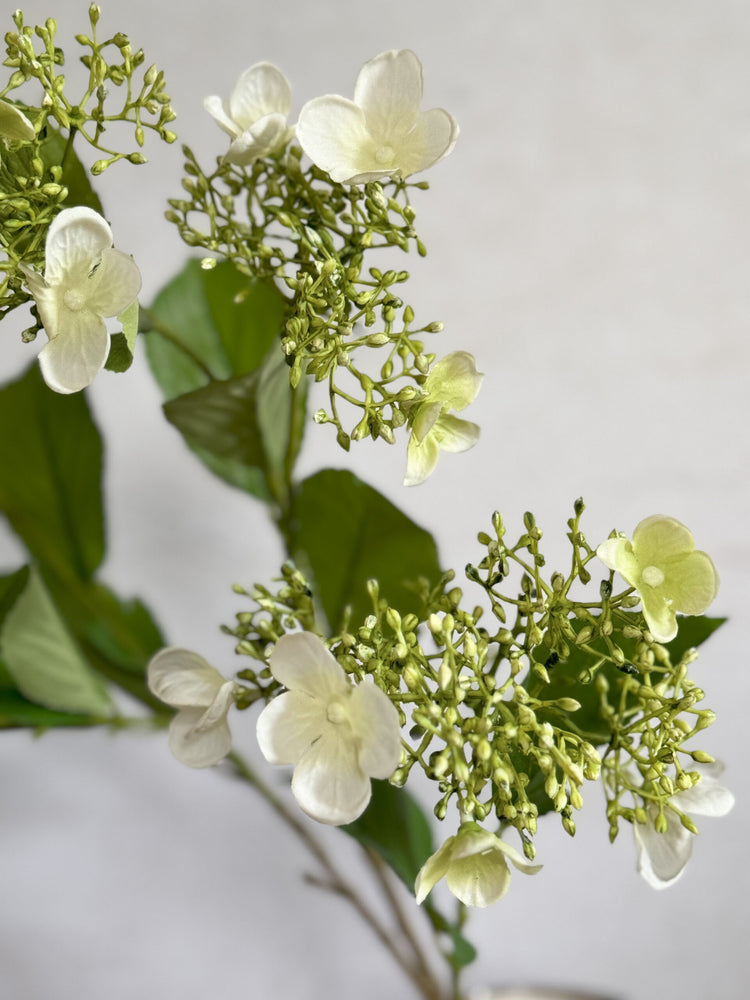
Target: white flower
x,y
452,384
662,856
382,132
255,115
474,863
199,734
14,124
661,563
337,735
85,279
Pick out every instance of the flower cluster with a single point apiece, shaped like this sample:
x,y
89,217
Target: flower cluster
x,y
312,228
496,716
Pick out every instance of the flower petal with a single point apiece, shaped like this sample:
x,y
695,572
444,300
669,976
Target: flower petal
x,y
219,111
289,725
707,798
301,662
181,678
659,538
76,355
261,90
333,133
14,124
328,783
691,582
375,722
197,747
427,415
421,459
659,614
432,139
114,285
479,879
389,91
617,554
218,708
75,241
455,435
454,380
434,868
519,860
261,138
662,856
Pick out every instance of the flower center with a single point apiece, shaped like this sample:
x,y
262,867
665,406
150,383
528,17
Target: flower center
x,y
384,156
74,300
336,713
652,576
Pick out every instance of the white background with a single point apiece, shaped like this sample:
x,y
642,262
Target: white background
x,y
588,243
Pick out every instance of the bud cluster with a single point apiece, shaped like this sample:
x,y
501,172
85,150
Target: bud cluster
x,y
511,720
36,171
275,220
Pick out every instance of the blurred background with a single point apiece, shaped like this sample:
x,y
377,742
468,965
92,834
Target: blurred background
x,y
588,242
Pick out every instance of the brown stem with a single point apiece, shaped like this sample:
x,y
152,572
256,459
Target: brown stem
x,y
334,882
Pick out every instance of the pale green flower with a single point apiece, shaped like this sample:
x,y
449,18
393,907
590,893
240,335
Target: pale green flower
x,y
662,857
452,384
255,116
199,734
382,132
338,735
474,863
85,279
662,564
14,124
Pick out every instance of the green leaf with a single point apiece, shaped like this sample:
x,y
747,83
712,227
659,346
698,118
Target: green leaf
x,y
17,712
196,327
350,534
122,345
394,826
220,418
50,475
692,632
120,357
247,328
118,637
43,660
281,416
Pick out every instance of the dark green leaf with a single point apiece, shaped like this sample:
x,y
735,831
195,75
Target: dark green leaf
x,y
17,712
350,533
120,357
464,952
197,310
118,637
122,345
40,655
50,475
281,416
394,826
246,328
692,631
221,418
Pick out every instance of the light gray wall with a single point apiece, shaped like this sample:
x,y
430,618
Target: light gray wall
x,y
588,242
